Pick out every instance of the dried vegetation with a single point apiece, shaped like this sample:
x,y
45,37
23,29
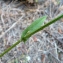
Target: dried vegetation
x,y
44,47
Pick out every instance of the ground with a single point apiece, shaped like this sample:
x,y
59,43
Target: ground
x,y
45,46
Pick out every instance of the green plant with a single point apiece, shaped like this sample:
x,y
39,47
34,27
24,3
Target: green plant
x,y
32,29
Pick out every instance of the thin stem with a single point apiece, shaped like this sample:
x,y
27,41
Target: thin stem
x,y
11,47
41,28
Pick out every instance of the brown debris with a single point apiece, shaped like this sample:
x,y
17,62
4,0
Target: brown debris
x,y
60,30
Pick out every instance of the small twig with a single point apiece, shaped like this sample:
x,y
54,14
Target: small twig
x,y
11,27
53,36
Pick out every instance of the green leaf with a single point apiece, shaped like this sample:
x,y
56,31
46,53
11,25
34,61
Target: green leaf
x,y
33,27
